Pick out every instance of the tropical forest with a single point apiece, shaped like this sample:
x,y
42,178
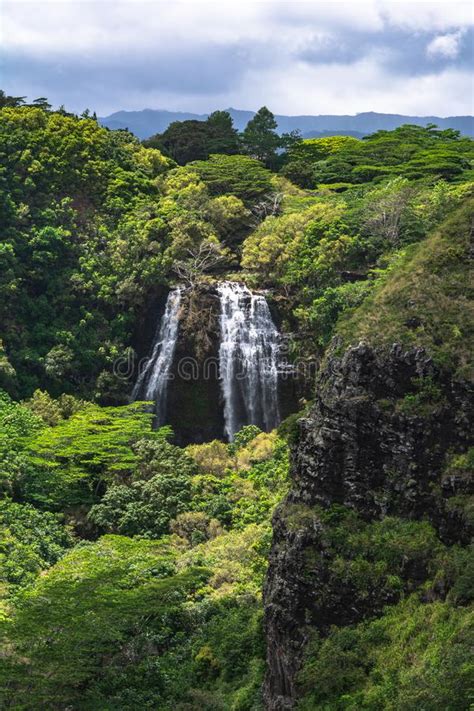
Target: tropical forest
x,y
236,445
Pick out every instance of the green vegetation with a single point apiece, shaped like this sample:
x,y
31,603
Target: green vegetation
x,y
72,461
427,300
30,541
92,221
241,176
185,141
131,569
327,257
407,655
302,158
159,490
168,614
261,140
415,656
90,623
413,152
77,215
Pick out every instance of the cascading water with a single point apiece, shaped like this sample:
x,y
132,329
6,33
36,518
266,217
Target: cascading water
x,y
152,383
248,359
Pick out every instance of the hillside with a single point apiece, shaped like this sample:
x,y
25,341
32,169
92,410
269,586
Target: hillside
x,y
370,536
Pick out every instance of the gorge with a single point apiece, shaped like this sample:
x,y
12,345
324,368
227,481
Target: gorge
x,y
276,511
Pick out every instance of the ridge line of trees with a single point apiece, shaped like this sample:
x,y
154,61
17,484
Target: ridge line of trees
x,y
187,141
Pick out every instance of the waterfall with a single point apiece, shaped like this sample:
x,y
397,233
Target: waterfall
x,y
248,359
152,383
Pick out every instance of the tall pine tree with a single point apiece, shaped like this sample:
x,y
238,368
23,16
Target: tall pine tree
x,y
260,138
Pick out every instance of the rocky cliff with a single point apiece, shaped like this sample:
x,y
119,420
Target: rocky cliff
x,y
376,446
195,407
195,402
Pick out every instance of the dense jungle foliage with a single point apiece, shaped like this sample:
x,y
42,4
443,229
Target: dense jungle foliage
x,y
131,569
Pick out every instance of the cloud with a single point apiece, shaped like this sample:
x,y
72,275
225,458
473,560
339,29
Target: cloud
x,y
307,57
445,45
309,89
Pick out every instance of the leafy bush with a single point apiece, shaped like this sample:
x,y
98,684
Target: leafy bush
x,y
159,490
212,457
251,484
186,141
423,300
76,247
52,410
414,656
410,151
30,541
17,424
94,627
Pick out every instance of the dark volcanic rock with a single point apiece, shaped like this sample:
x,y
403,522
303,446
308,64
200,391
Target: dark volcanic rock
x,y
376,441
194,405
194,400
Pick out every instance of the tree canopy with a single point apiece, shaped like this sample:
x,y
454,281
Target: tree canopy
x,y
131,568
186,141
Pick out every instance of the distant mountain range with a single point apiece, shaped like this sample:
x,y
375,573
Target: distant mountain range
x,y
150,121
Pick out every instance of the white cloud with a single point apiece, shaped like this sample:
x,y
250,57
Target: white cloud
x,y
54,26
427,16
317,90
445,46
199,55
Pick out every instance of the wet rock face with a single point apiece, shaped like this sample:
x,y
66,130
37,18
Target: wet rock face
x,y
377,442
194,396
362,449
194,402
194,406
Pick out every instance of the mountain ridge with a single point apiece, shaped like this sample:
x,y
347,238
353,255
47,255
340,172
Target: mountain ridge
x,y
147,122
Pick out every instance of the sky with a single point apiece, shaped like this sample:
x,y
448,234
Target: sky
x,y
295,57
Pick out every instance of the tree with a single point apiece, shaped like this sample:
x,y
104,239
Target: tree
x,y
183,141
237,175
159,491
223,137
231,219
409,151
42,103
81,242
199,261
30,541
75,458
298,247
384,210
186,141
302,156
17,425
260,139
12,101
52,411
7,371
98,624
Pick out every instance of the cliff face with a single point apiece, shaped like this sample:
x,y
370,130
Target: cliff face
x,y
377,443
195,408
194,400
